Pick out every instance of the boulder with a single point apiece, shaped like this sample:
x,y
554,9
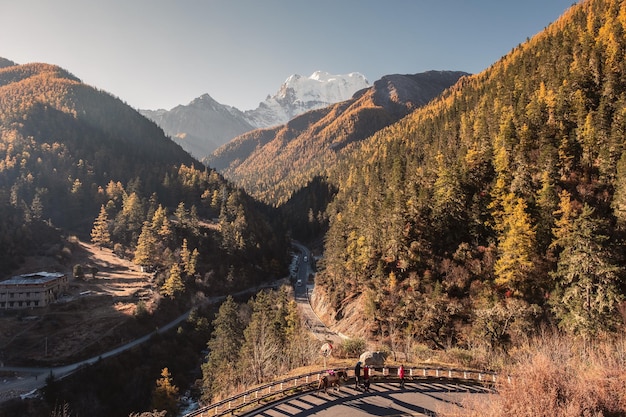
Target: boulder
x,y
373,358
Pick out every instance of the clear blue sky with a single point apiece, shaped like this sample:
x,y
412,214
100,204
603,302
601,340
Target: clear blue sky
x,y
161,53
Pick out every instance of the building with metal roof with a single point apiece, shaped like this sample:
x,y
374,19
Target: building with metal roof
x,y
32,290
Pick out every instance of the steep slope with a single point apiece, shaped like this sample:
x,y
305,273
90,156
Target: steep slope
x,y
203,125
499,207
272,163
68,149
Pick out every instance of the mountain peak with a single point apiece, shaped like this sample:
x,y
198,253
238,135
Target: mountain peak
x,y
300,94
206,124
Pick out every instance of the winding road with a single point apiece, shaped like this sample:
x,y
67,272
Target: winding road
x,y
312,321
28,380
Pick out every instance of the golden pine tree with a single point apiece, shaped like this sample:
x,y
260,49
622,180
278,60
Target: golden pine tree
x,y
100,234
165,394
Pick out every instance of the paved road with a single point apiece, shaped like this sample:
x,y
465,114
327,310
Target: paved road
x,y
32,379
423,398
302,292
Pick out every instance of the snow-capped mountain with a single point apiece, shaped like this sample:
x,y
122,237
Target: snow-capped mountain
x,y
203,125
298,95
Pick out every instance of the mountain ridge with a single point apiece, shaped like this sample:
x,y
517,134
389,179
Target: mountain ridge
x,y
203,125
261,160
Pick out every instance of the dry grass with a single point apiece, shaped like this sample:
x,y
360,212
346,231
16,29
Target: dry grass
x,y
554,376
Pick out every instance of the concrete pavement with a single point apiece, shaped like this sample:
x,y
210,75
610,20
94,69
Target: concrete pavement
x,y
420,398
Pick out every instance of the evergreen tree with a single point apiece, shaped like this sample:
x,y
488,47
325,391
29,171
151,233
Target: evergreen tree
x,y
161,225
173,284
165,394
129,221
100,234
261,347
218,375
588,280
516,248
146,250
619,198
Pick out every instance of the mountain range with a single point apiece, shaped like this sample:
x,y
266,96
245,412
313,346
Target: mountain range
x,y
204,125
273,163
455,213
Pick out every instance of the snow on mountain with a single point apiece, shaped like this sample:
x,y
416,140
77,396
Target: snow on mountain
x,y
203,125
298,95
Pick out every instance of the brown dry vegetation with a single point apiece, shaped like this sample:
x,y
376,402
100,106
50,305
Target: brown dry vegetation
x,y
553,376
92,316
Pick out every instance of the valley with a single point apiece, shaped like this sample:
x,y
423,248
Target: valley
x,y
475,220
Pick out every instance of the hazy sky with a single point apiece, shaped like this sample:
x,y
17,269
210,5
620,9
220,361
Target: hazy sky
x,y
161,53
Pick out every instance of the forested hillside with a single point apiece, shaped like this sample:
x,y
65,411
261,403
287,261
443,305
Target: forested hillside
x,y
499,206
272,164
76,160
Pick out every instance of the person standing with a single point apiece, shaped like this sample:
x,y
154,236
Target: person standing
x,y
357,374
401,375
366,378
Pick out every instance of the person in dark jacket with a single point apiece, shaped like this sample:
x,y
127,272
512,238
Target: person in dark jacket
x,y
357,374
366,378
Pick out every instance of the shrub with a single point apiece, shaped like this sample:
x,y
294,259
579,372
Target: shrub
x,y
78,271
558,377
353,348
458,356
422,353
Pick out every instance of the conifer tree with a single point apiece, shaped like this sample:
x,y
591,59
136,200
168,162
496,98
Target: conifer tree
x,y
146,250
165,394
188,258
619,198
588,280
224,345
173,284
100,234
261,346
161,224
516,247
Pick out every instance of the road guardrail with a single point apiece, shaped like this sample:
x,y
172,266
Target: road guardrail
x,y
308,382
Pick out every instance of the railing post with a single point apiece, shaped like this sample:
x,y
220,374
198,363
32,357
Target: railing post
x,y
424,371
244,398
450,373
437,373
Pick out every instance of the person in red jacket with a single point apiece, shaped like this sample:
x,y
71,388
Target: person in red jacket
x,y
401,375
366,378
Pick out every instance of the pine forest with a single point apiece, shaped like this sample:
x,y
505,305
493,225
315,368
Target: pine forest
x,y
485,229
